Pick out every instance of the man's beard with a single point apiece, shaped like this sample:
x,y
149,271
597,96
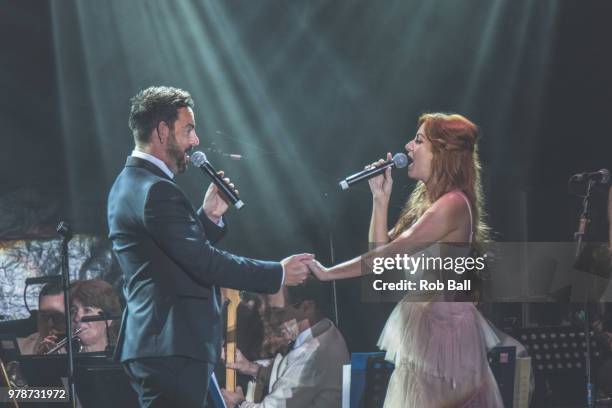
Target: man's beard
x,y
176,154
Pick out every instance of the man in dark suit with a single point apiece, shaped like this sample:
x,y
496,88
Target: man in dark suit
x,y
170,336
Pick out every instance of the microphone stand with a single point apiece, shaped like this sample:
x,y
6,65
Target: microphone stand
x,y
332,255
579,236
108,348
332,260
64,230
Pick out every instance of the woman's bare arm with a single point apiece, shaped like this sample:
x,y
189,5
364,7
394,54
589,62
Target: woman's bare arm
x,y
378,233
446,215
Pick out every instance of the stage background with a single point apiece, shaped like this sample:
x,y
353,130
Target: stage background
x,y
307,92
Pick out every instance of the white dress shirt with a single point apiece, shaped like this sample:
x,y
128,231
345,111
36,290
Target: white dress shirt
x,y
150,158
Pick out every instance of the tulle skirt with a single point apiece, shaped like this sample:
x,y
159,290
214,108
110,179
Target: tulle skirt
x,y
439,352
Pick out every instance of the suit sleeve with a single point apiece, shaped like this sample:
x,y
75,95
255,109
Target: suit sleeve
x,y
213,232
170,221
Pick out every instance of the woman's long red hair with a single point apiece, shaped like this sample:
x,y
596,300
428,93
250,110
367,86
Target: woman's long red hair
x,y
455,165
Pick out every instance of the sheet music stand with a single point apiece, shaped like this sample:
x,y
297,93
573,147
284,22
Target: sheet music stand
x,y
559,357
9,349
378,373
502,361
369,378
44,371
96,375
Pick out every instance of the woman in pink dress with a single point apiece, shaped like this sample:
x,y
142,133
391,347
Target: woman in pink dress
x,y
438,346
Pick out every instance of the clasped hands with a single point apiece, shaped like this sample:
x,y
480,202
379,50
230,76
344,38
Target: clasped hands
x,y
298,267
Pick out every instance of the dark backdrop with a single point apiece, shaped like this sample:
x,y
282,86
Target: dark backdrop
x,y
308,92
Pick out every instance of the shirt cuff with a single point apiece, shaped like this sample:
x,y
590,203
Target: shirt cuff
x,y
283,277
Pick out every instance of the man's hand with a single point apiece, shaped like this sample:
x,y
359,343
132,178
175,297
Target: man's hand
x,y
243,365
295,268
232,399
215,203
46,344
318,270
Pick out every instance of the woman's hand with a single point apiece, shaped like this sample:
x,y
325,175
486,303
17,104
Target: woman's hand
x,y
318,270
381,185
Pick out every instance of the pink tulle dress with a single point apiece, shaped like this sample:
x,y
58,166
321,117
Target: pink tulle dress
x,y
439,351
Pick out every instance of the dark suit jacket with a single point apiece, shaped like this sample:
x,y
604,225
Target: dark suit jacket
x,y
171,269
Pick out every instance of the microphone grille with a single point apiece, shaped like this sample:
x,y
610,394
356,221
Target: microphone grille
x,y
400,160
198,158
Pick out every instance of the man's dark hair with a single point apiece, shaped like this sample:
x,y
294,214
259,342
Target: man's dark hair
x,y
153,105
50,289
318,292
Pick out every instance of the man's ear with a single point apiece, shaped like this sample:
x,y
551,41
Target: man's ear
x,y
162,131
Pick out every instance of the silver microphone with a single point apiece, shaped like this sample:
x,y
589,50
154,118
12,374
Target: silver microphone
x,y
399,160
199,160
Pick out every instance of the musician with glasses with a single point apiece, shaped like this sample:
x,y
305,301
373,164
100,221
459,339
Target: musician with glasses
x,y
50,321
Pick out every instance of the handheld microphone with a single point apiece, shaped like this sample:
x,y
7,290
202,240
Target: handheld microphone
x,y
199,160
399,160
601,176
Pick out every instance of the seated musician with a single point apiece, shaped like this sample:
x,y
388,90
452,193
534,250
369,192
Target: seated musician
x,y
309,373
90,298
50,321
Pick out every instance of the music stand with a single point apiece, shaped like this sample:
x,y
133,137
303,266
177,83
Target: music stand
x,y
44,371
378,373
96,375
9,349
502,361
559,356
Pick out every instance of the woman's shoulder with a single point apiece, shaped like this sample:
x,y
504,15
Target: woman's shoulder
x,y
453,201
453,210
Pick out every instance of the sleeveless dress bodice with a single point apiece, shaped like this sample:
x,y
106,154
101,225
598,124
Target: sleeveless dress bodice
x,y
439,349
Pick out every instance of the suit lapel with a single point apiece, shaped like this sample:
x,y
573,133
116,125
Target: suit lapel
x,y
275,371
